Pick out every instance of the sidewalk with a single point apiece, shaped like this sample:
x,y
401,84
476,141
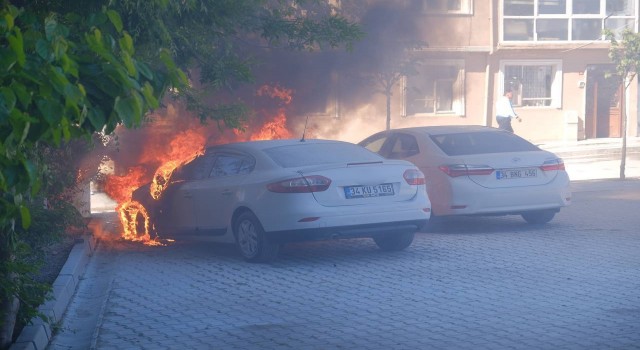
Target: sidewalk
x,y
601,146
597,158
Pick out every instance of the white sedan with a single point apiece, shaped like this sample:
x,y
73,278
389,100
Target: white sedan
x,y
478,170
261,194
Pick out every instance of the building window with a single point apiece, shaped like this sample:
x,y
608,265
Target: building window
x,y
446,6
565,20
534,83
438,88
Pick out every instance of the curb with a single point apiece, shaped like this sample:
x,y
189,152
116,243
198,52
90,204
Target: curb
x,y
37,334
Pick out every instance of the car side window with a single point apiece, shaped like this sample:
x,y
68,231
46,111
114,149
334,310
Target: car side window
x,y
375,143
232,164
199,168
404,146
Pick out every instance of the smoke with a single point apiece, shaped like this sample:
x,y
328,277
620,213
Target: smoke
x,y
332,90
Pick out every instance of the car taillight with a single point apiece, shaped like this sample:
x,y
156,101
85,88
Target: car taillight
x,y
455,170
553,164
414,177
305,184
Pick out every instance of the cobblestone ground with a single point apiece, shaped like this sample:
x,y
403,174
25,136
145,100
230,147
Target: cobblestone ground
x,y
476,283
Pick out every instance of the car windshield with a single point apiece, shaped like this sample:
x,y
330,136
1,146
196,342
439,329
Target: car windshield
x,y
482,142
304,154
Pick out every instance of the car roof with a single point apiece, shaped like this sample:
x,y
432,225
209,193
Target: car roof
x,y
448,129
265,144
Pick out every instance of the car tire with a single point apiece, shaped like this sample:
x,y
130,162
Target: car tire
x,y
394,242
251,239
539,217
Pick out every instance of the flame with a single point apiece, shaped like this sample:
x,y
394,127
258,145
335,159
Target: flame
x,y
183,148
120,188
284,94
165,157
273,130
132,214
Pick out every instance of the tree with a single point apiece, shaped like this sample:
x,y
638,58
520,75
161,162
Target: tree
x,y
60,82
219,43
388,58
625,54
69,70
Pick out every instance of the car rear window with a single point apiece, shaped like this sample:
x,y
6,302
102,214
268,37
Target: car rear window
x,y
305,154
482,142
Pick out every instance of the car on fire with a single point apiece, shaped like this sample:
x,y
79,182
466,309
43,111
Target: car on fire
x,y
262,194
479,170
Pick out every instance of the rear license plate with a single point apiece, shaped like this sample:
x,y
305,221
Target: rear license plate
x,y
351,192
516,173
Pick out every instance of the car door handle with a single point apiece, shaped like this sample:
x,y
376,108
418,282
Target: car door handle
x,y
187,195
227,192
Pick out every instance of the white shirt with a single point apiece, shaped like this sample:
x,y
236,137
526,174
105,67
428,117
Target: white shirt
x,y
504,108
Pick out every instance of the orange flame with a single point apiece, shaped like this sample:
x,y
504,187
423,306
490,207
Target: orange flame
x,y
276,92
135,222
182,148
275,129
120,188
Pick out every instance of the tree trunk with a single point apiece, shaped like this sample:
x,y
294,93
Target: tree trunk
x,y
623,154
388,110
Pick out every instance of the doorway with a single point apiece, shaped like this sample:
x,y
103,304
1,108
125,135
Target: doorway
x,y
603,110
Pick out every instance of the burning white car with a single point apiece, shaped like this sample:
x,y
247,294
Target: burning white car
x,y
261,194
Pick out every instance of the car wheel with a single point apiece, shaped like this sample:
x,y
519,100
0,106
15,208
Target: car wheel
x,y
538,217
252,241
394,242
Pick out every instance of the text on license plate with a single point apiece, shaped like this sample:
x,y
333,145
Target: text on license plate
x,y
516,173
368,191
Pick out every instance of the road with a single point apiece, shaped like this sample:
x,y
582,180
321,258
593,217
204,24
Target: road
x,y
478,283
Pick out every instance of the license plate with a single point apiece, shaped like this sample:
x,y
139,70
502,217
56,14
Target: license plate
x,y
506,174
351,192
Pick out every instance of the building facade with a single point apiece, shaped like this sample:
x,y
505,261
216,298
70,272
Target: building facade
x,y
551,53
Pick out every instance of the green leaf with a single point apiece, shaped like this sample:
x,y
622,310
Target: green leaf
x,y
66,133
31,170
147,92
144,70
50,27
42,48
51,111
69,66
115,19
96,118
26,217
57,79
126,43
17,45
9,20
8,98
129,109
128,63
21,92
73,94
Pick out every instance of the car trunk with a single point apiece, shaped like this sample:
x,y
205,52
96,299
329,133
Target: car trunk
x,y
511,169
363,183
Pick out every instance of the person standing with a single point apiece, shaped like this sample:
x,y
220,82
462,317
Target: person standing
x,y
505,112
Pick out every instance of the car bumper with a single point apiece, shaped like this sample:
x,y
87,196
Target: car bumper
x,y
475,200
352,231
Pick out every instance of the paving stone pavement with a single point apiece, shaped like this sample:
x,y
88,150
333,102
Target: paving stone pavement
x,y
474,283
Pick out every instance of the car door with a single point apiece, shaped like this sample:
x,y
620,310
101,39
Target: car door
x,y
215,197
179,203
